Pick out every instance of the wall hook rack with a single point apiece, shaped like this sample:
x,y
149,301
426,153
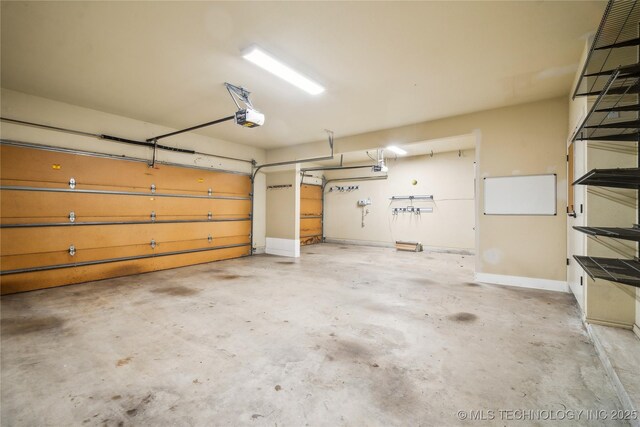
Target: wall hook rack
x,y
343,189
411,209
272,187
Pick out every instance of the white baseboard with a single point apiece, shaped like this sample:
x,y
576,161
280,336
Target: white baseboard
x,y
283,247
359,242
609,323
523,282
392,245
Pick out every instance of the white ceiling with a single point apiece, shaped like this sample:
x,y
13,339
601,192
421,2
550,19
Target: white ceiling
x,y
384,64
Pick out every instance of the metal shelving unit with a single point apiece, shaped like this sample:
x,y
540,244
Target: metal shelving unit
x,y
614,47
611,73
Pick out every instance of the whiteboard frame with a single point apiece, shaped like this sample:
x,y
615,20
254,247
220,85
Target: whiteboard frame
x,y
555,195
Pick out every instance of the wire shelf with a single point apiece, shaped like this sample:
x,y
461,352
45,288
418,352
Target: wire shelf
x,y
613,232
617,178
626,271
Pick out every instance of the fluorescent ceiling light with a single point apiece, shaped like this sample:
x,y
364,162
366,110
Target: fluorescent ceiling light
x,y
272,65
397,150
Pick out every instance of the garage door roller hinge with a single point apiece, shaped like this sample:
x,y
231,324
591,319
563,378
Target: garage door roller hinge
x,y
72,183
72,250
153,188
72,216
153,216
153,244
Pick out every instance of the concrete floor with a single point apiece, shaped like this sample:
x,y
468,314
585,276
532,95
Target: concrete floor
x,y
619,351
342,336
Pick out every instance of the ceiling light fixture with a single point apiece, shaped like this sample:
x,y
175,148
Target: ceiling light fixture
x,y
272,65
397,150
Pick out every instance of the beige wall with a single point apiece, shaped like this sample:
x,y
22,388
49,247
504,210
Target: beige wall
x,y
523,139
283,205
25,107
446,176
260,212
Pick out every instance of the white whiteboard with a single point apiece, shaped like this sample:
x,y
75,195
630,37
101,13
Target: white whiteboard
x,y
520,195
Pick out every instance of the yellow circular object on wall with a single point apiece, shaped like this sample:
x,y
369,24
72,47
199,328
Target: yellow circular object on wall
x,y
414,182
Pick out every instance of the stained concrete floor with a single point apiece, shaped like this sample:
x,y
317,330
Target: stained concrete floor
x,y
342,336
620,354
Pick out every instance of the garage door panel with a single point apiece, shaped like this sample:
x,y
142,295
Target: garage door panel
x,y
12,283
35,205
175,179
226,209
185,245
310,214
231,240
219,208
311,240
310,227
310,207
311,192
79,186
13,262
20,207
107,227
86,254
234,228
25,166
310,232
173,261
43,166
16,241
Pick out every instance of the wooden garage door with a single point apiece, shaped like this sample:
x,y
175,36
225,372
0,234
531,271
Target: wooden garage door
x,y
69,218
310,214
